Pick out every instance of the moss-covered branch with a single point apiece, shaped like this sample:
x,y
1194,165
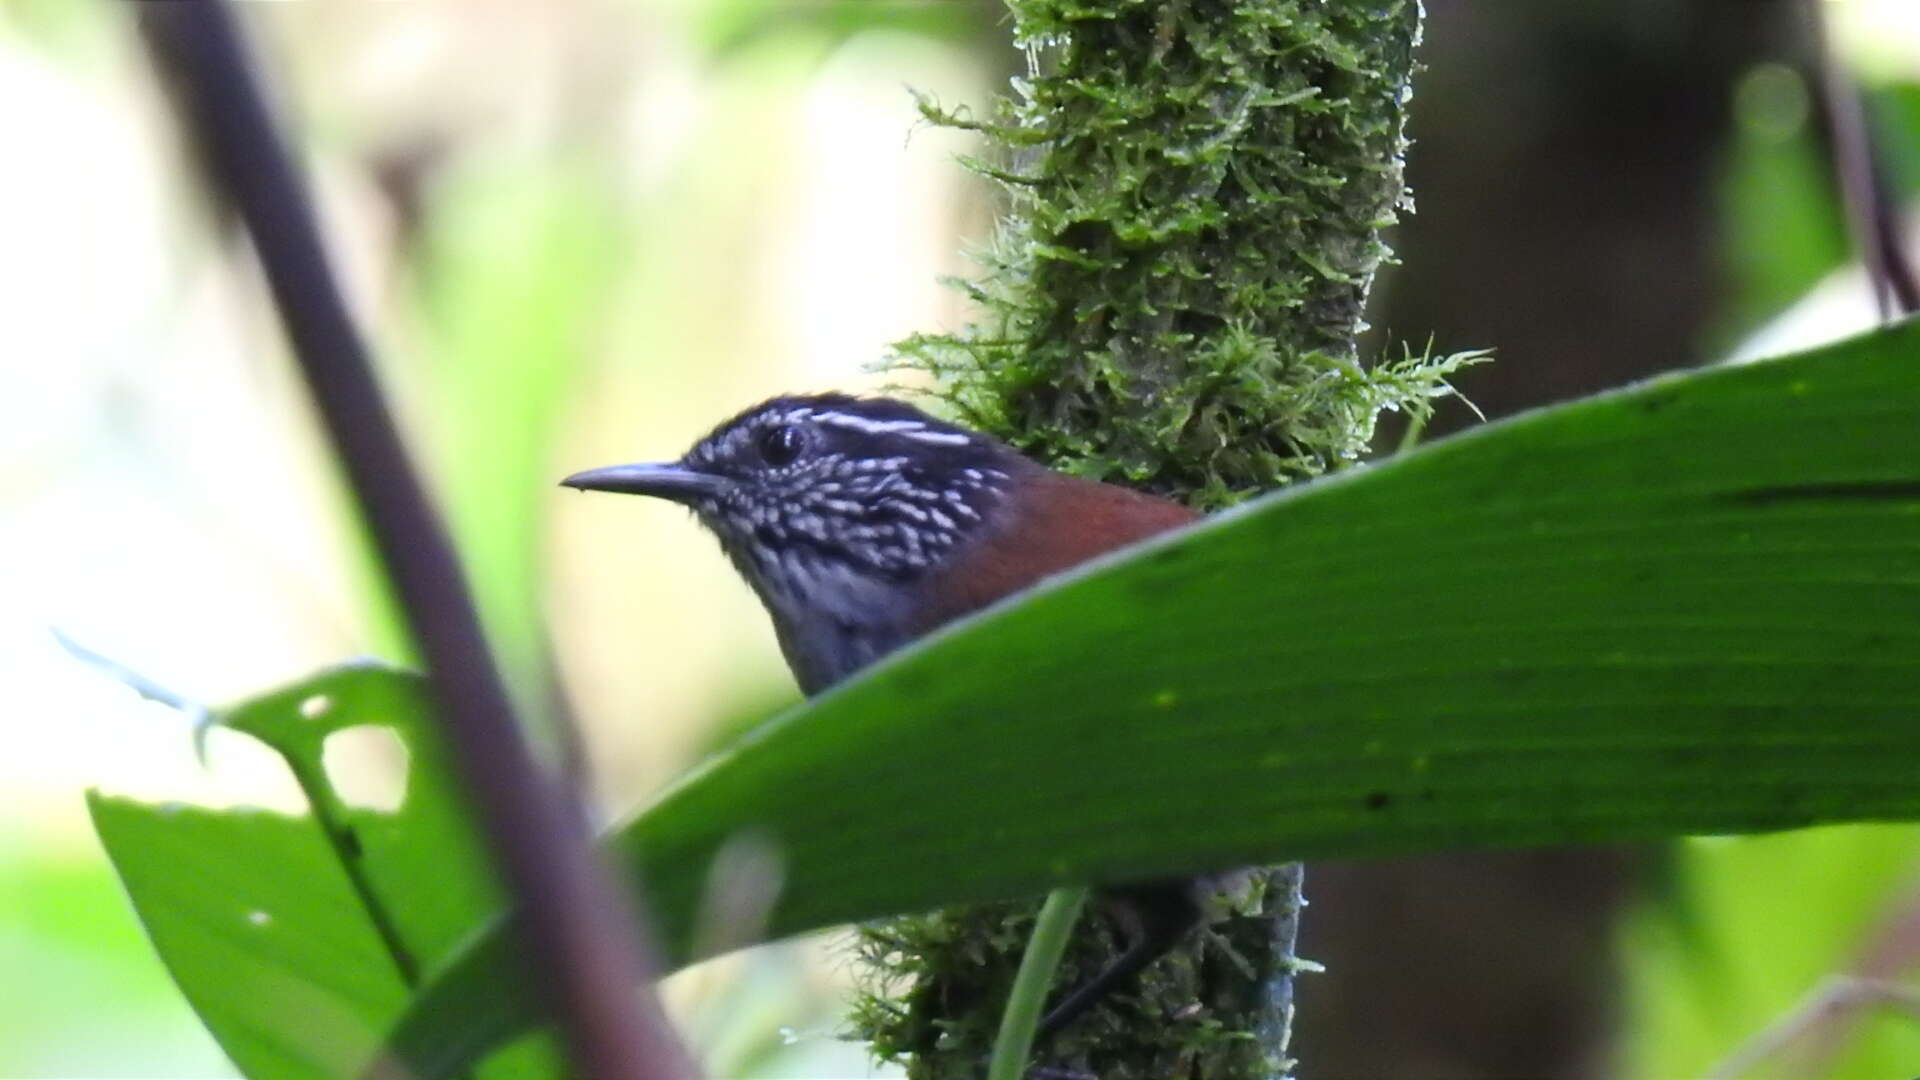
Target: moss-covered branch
x,y
1196,192
1197,189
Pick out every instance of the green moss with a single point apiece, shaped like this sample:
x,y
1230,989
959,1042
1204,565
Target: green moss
x,y
938,984
1196,196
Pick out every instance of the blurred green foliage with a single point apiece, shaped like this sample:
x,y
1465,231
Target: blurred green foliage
x,y
514,282
1754,927
1783,226
77,967
730,27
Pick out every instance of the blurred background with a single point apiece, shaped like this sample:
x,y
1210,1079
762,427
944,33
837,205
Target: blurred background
x,y
584,232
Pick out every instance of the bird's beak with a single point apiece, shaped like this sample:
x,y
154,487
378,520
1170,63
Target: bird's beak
x,y
673,482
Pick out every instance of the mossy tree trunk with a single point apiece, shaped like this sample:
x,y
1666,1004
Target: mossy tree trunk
x,y
1197,189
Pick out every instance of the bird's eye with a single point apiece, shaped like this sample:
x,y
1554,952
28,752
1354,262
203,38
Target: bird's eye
x,y
781,445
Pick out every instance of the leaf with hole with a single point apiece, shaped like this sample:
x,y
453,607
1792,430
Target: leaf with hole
x,y
297,939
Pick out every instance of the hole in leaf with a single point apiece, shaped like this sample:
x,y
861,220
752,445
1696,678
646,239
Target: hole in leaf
x,y
367,767
316,706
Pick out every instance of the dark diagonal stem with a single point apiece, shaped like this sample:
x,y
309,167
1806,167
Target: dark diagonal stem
x,y
1872,215
576,926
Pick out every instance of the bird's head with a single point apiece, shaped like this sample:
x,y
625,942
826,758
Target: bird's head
x,y
830,487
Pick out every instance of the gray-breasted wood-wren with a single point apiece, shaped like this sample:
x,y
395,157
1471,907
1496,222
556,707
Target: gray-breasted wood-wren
x,y
863,523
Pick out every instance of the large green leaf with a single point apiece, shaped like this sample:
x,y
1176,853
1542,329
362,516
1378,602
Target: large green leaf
x,y
297,939
1689,607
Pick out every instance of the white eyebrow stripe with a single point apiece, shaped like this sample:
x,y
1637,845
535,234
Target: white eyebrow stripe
x,y
945,438
871,427
912,429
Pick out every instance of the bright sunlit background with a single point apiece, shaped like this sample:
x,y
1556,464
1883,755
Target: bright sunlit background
x,y
580,233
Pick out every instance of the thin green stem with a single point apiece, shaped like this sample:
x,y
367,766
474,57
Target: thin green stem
x,y
1029,995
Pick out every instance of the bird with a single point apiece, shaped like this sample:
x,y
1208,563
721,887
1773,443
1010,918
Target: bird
x,y
864,523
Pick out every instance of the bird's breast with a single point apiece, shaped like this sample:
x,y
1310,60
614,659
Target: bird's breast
x,y
831,618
